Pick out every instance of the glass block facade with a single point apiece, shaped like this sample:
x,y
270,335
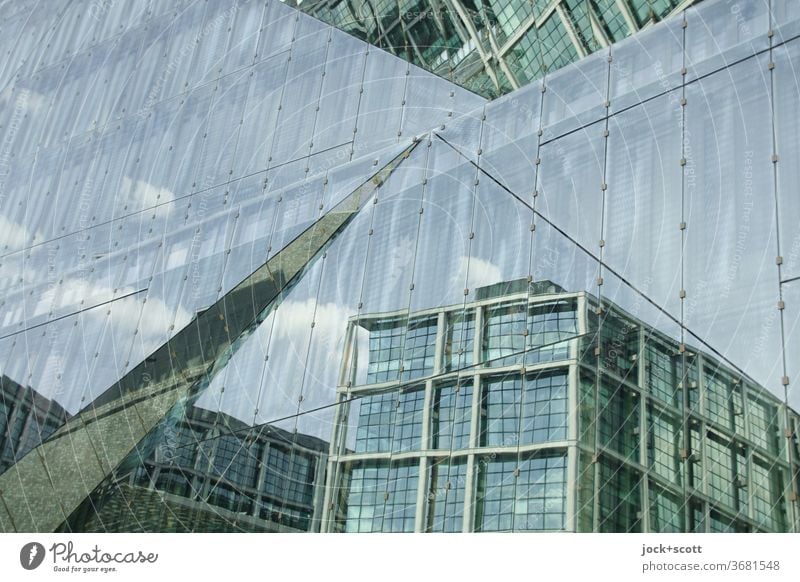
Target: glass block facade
x,y
259,275
533,435
491,47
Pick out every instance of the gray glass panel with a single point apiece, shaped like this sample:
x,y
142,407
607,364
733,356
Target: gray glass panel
x,y
277,29
785,19
381,108
463,132
500,249
721,33
185,29
786,87
440,276
643,202
646,64
576,95
243,42
509,139
260,115
220,136
296,121
570,181
288,348
212,42
173,160
143,85
338,104
429,100
393,243
329,354
791,323
730,238
118,58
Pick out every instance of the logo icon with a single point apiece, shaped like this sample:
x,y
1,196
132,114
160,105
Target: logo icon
x,y
31,555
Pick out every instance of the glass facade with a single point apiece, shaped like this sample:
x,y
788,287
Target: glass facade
x,y
259,275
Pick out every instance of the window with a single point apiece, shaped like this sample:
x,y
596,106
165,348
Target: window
x,y
727,473
385,347
420,349
548,324
459,341
661,373
375,422
763,423
289,477
723,400
236,461
446,489
619,419
452,416
664,446
407,434
666,511
544,408
503,334
382,498
768,503
500,411
401,503
530,495
620,497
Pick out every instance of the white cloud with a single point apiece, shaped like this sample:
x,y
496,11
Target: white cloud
x,y
481,272
15,235
145,195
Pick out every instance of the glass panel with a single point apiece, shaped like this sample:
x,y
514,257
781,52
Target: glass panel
x,y
666,511
277,29
720,34
212,42
646,64
338,104
784,20
380,111
570,181
730,244
501,400
544,408
143,85
430,100
260,115
791,323
664,444
221,132
295,130
786,86
510,139
184,34
242,44
393,242
643,200
575,96
527,496
497,257
444,223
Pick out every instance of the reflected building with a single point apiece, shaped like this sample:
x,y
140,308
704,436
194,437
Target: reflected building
x,y
259,274
491,47
212,473
26,419
535,409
